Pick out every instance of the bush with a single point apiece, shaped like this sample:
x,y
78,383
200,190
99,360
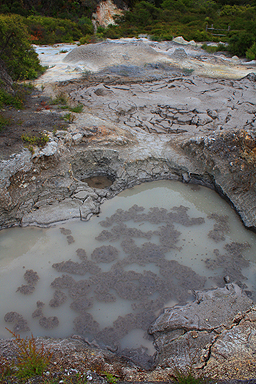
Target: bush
x,y
8,99
112,32
85,25
85,39
251,52
4,122
49,30
19,57
145,13
239,43
172,4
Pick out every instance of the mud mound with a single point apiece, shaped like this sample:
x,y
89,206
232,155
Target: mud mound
x,y
106,54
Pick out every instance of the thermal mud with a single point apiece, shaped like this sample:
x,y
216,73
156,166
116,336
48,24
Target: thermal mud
x,y
20,324
139,269
32,278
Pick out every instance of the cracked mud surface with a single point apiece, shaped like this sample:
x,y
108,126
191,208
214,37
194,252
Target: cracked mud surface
x,y
173,106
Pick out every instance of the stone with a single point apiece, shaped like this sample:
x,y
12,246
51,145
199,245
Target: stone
x,y
77,138
50,149
53,213
88,208
179,54
174,330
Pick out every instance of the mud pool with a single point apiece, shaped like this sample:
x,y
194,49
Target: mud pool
x,y
109,278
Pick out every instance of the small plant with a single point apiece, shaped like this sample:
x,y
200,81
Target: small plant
x,y
60,99
69,117
187,71
28,85
111,379
77,109
86,73
38,141
4,122
8,99
187,376
85,39
30,361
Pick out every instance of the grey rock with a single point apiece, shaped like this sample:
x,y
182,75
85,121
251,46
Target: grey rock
x,y
88,208
194,327
49,214
179,54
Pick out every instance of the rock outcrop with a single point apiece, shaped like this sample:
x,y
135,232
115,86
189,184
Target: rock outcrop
x,y
194,334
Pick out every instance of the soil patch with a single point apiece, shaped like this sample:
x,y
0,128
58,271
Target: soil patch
x,y
37,115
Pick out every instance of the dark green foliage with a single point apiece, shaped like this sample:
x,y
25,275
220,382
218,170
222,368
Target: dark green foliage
x,y
49,30
8,99
15,49
85,25
72,9
86,39
3,122
144,13
240,43
251,52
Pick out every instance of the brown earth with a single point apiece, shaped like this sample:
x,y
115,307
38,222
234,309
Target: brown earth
x,y
37,115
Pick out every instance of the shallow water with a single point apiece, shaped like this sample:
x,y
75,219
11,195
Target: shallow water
x,y
114,288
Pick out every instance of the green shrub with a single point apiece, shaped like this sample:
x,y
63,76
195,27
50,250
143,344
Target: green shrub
x,y
214,48
8,99
174,4
61,99
85,39
38,141
251,52
4,122
239,43
145,13
77,109
49,30
69,117
112,32
100,29
20,58
85,25
187,376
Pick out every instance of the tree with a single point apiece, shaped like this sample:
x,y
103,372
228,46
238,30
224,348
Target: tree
x,y
17,56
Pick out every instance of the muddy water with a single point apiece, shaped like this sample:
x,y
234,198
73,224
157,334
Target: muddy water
x,y
107,279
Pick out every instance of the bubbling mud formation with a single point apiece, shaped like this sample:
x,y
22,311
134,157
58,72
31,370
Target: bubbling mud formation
x,y
136,264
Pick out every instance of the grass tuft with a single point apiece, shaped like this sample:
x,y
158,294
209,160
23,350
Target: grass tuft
x,y
30,361
77,109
